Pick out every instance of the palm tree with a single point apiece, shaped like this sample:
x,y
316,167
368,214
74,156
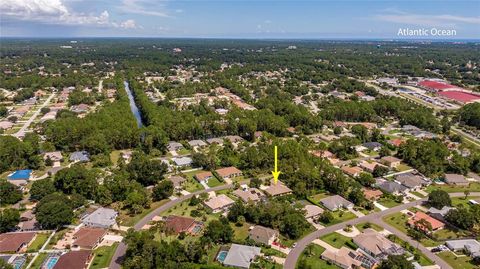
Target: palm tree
x,y
467,193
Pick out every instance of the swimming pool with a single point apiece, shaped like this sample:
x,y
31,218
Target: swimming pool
x,y
222,255
19,262
50,262
20,174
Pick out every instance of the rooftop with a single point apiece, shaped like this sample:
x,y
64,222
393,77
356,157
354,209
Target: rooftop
x,y
241,256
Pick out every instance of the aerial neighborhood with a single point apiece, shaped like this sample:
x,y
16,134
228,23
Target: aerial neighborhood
x,y
156,153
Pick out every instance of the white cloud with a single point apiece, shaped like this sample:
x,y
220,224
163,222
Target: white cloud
x,y
128,24
56,12
144,7
397,16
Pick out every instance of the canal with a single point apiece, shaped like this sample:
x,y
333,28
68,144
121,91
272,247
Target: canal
x,y
133,105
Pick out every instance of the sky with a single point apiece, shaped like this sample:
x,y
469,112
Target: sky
x,y
282,19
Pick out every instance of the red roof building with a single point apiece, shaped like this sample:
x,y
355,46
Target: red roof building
x,y
436,86
461,97
15,242
74,260
434,223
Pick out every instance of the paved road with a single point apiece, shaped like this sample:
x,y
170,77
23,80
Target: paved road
x,y
294,255
473,139
122,247
34,116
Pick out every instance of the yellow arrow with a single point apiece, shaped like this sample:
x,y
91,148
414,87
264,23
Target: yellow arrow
x,y
275,173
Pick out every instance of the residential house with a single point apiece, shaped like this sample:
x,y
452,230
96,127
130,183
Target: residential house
x,y
372,194
55,156
197,143
391,161
5,125
218,141
249,194
377,245
368,166
263,235
28,221
74,260
16,242
81,108
392,187
178,224
80,156
88,238
419,217
439,213
322,153
177,181
277,189
354,171
101,218
182,161
336,202
241,256
470,246
229,172
174,146
344,258
312,211
234,139
375,146
203,176
411,181
219,203
397,142
456,179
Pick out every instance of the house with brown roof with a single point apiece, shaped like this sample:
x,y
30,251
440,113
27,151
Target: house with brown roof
x,y
277,189
79,259
411,181
391,161
28,221
177,181
372,194
368,166
312,211
88,238
263,235
178,224
219,203
377,245
203,176
16,242
352,171
430,222
344,258
249,194
228,172
456,179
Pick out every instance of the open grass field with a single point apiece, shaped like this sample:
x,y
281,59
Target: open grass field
x,y
337,240
340,216
474,187
457,262
397,220
103,255
311,256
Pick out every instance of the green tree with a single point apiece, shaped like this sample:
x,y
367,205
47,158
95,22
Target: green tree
x,y
41,188
52,214
439,199
9,218
9,193
218,231
396,262
162,190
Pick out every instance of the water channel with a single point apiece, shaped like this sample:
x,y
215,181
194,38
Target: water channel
x,y
133,106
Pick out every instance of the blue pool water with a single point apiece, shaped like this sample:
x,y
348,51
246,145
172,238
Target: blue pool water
x,y
20,174
51,262
222,255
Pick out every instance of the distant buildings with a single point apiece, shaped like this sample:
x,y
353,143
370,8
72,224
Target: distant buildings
x,y
79,156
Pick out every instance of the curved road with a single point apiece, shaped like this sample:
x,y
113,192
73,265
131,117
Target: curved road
x,y
117,258
376,218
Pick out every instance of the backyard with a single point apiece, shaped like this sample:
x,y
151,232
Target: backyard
x,y
337,240
103,255
311,257
463,262
37,244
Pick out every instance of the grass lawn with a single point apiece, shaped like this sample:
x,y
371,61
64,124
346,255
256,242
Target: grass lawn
x,y
456,201
397,220
340,216
457,262
337,240
273,252
403,167
418,194
240,233
449,233
39,260
361,227
474,187
214,182
37,244
317,197
183,151
125,219
103,255
312,257
183,209
115,156
192,185
387,202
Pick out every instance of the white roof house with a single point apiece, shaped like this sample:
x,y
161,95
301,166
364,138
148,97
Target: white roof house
x,y
102,218
241,256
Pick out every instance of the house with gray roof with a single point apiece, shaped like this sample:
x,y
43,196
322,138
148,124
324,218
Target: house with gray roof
x,y
392,187
411,181
439,214
471,246
456,179
197,143
182,161
80,156
174,146
241,256
216,140
372,145
101,218
263,235
336,202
